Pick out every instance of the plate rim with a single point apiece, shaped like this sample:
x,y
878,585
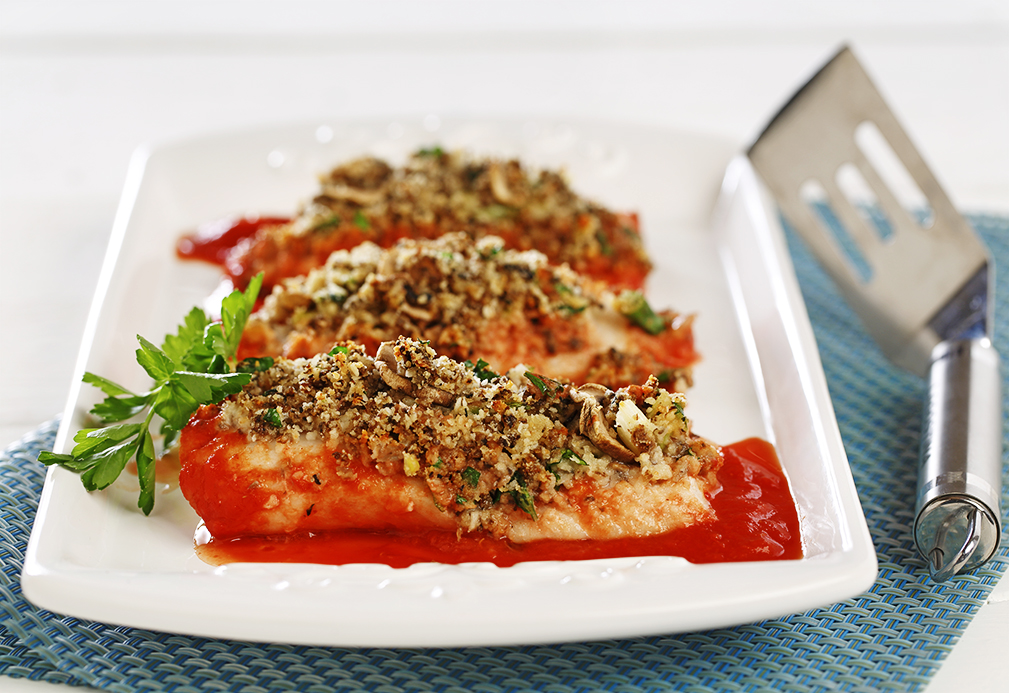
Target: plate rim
x,y
61,588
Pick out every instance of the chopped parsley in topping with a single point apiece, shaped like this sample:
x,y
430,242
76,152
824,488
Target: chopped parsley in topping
x,y
434,151
337,296
604,244
461,500
569,454
552,468
536,380
338,349
361,221
547,386
328,223
571,301
634,307
254,365
471,476
574,310
679,410
272,417
481,370
522,497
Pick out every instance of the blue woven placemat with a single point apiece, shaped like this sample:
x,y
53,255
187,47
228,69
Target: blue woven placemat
x,y
893,637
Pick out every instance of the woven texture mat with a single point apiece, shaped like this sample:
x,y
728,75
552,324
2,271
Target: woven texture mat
x,y
893,637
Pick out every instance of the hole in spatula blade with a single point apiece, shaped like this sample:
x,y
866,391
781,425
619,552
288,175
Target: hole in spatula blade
x,y
893,173
815,196
863,199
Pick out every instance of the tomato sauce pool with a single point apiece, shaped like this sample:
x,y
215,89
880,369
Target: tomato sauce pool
x,y
755,520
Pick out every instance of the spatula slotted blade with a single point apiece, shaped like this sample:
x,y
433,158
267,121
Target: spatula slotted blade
x,y
915,271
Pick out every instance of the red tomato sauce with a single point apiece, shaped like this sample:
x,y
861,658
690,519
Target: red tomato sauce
x,y
213,242
755,520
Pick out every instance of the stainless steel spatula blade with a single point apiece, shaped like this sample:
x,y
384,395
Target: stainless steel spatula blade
x,y
918,279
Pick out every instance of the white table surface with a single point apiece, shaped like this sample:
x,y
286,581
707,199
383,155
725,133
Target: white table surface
x,y
84,83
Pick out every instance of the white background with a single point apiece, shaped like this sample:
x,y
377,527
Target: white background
x,y
82,84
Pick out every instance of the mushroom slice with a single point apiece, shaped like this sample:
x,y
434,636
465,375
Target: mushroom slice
x,y
392,378
387,365
592,422
634,428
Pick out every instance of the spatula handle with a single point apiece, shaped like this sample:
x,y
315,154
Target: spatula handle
x,y
957,524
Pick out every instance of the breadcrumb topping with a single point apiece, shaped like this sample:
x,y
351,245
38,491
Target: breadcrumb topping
x,y
484,445
470,301
438,192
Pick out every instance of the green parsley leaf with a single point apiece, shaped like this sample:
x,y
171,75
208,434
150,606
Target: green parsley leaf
x,y
666,375
113,409
153,360
471,476
537,381
573,456
434,151
192,367
190,332
109,464
522,496
107,386
327,223
544,384
272,417
235,311
145,470
604,244
636,309
361,221
481,370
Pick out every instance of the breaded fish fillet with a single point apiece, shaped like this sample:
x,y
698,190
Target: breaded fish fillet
x,y
411,441
439,192
476,301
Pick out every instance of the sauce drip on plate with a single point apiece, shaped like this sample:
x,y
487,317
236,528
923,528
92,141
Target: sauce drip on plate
x,y
755,520
215,241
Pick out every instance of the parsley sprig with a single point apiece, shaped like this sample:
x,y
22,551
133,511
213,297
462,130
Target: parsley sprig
x,y
194,366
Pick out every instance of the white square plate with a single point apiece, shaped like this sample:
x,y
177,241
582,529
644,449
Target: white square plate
x,y
717,252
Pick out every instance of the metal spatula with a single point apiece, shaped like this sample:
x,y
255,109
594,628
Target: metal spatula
x,y
919,280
